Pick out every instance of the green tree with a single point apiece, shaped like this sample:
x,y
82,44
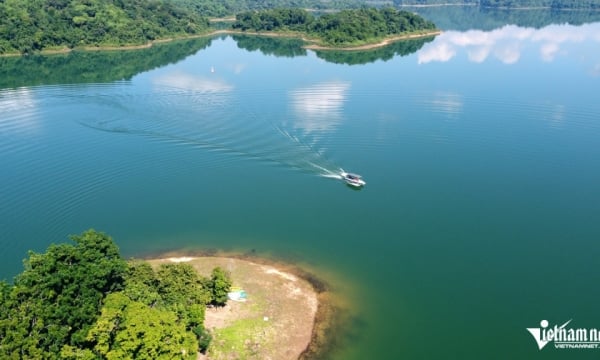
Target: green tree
x,y
57,298
83,301
180,284
129,329
346,27
220,283
141,284
31,25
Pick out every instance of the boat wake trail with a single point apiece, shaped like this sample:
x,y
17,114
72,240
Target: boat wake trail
x,y
328,173
210,121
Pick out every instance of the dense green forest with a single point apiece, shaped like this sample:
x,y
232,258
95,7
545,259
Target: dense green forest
x,y
224,8
28,26
83,301
346,27
31,25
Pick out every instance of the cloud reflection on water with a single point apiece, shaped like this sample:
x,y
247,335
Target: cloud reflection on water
x,y
319,107
18,106
507,43
191,82
450,104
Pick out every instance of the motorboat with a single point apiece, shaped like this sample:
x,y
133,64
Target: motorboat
x,y
353,179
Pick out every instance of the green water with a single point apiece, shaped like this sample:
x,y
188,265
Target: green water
x,y
479,148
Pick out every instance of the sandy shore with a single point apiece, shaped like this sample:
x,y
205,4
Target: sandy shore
x,y
316,46
313,46
286,315
382,43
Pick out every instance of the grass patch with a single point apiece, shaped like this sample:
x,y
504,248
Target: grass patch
x,y
243,339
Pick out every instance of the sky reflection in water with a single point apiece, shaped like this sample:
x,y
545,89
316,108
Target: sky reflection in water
x,y
509,42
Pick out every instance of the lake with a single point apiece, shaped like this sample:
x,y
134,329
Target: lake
x,y
480,216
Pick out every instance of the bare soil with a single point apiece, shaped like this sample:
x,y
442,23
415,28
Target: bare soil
x,y
276,322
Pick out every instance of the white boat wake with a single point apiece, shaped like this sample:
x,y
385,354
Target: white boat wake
x,y
179,117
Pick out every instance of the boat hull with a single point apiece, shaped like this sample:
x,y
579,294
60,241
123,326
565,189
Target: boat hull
x,y
353,179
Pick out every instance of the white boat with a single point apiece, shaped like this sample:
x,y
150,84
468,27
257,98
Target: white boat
x,y
353,179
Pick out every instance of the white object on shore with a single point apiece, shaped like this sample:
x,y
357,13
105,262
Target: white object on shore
x,y
239,295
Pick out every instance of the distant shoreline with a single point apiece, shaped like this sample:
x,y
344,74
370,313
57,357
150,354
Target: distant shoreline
x,y
382,43
314,46
326,311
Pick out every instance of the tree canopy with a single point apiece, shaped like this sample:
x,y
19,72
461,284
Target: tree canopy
x,y
346,27
224,8
31,25
83,301
57,298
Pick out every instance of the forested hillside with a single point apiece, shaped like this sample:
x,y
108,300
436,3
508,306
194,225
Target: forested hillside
x,y
83,301
223,8
347,27
30,25
555,4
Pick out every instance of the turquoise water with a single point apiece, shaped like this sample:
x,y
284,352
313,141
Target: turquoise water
x,y
479,148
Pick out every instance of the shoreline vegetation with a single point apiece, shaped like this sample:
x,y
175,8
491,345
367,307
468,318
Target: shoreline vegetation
x,y
83,300
312,44
60,26
354,29
290,312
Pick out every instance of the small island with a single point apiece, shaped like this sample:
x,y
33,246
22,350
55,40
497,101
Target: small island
x,y
84,301
357,29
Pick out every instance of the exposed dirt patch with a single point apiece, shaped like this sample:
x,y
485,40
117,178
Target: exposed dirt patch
x,y
276,322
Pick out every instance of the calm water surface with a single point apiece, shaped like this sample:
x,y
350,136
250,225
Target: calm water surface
x,y
480,150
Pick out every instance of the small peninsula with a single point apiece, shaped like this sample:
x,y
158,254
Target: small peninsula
x,y
273,320
357,29
82,300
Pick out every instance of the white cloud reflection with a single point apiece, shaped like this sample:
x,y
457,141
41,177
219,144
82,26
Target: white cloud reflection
x,y
479,54
19,110
319,107
558,114
238,68
191,82
448,103
596,70
507,43
548,51
509,53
